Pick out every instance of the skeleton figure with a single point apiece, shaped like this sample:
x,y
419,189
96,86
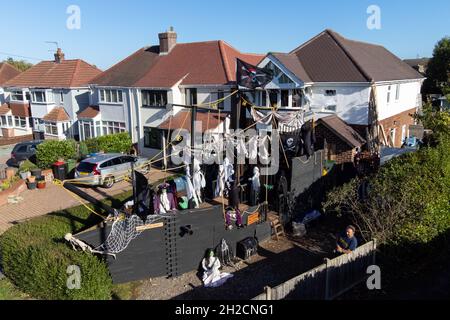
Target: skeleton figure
x,y
198,181
220,187
76,243
190,190
255,186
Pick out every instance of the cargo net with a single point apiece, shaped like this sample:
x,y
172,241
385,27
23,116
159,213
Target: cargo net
x,y
125,229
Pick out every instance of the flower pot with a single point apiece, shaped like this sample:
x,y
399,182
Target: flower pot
x,y
31,179
41,184
25,175
32,185
36,172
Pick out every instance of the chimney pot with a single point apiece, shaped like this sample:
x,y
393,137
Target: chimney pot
x,y
167,41
59,56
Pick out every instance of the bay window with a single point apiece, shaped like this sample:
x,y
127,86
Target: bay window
x,y
51,128
20,122
111,127
111,96
154,98
38,97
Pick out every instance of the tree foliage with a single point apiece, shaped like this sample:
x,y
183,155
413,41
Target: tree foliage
x,y
438,70
20,65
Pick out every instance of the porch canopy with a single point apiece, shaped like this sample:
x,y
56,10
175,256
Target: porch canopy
x,y
182,120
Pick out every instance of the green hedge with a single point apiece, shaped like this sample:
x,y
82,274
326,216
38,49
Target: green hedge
x,y
35,256
119,142
50,151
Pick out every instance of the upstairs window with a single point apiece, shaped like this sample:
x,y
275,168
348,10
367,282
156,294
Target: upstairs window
x,y
17,96
330,92
154,98
220,95
397,92
284,98
191,97
389,94
331,108
38,96
111,96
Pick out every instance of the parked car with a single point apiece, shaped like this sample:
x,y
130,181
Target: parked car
x,y
106,169
24,151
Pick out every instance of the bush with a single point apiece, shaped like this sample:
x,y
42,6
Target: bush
x,y
26,166
50,151
35,256
119,142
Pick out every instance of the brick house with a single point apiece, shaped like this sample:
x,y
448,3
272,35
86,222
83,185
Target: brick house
x,y
48,96
339,140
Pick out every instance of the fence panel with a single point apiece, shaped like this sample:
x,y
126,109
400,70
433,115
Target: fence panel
x,y
328,280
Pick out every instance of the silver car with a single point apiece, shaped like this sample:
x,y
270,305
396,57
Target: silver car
x,y
106,169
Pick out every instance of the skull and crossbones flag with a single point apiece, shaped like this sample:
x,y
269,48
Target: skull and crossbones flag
x,y
252,77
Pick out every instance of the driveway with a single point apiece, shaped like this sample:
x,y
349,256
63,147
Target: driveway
x,y
5,153
55,198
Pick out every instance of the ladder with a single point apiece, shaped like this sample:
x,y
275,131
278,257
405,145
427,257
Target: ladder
x,y
170,233
277,227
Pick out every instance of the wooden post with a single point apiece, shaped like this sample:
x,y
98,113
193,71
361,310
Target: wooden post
x,y
268,291
327,279
374,252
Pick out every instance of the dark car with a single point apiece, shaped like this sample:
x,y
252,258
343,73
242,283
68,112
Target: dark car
x,y
24,151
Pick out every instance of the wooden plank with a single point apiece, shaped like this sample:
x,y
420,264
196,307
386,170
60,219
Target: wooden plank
x,y
150,226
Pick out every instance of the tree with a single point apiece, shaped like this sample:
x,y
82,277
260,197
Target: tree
x,y
20,65
438,71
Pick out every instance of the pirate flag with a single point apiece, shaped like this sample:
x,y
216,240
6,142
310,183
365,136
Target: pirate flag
x,y
252,77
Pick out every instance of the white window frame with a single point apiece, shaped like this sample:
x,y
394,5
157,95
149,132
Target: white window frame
x,y
22,122
105,93
44,95
389,91
17,92
111,127
397,92
51,125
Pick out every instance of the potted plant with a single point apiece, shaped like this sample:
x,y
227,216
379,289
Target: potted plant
x,y
31,185
25,169
32,179
41,184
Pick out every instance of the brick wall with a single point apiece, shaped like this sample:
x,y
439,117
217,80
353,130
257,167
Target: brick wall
x,y
335,148
397,122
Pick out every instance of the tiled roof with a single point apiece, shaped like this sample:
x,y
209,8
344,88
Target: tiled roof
x,y
49,74
7,72
198,63
342,130
182,120
329,57
89,113
20,109
4,109
57,114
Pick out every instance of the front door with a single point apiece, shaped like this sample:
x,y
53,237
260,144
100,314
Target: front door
x,y
87,130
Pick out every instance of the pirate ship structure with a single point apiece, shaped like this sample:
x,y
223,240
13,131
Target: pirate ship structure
x,y
166,227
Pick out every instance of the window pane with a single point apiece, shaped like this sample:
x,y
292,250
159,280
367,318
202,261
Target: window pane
x,y
119,95
108,95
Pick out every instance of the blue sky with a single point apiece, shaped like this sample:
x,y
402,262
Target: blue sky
x,y
111,30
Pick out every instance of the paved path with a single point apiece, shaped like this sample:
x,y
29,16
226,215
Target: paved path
x,y
54,198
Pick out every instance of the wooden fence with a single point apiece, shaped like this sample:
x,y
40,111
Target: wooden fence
x,y
329,280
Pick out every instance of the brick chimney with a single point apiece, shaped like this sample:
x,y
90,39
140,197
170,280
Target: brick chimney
x,y
167,41
59,56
